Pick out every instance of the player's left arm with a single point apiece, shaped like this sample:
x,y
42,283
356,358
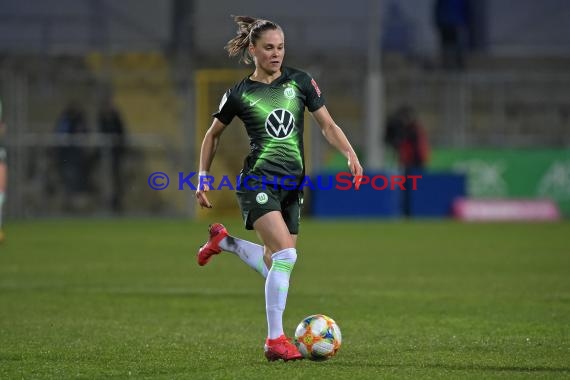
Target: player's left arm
x,y
3,175
336,137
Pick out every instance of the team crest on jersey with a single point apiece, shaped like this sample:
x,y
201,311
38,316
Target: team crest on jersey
x,y
261,198
280,123
289,93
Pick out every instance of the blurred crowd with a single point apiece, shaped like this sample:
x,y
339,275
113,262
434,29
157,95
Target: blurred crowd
x,y
77,162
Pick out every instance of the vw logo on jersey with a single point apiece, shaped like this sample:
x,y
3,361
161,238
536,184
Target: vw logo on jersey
x,y
280,123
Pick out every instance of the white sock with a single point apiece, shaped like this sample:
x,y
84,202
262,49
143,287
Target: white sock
x,y
250,253
276,289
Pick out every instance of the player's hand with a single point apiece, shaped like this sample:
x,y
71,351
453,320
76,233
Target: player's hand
x,y
355,169
201,197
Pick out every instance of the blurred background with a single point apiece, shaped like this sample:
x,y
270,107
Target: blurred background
x,y
473,94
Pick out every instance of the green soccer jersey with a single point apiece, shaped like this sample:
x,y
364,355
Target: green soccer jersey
x,y
273,115
2,132
2,145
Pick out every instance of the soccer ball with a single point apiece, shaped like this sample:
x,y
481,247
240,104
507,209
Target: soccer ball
x,y
318,337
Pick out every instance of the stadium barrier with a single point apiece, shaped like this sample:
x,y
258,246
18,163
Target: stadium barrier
x,y
511,173
505,210
433,197
436,193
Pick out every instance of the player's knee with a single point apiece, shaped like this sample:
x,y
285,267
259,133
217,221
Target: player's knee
x,y
279,245
288,255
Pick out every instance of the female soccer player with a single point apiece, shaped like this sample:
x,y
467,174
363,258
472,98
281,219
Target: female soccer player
x,y
3,171
271,103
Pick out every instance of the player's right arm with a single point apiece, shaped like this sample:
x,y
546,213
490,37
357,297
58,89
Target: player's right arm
x,y
207,153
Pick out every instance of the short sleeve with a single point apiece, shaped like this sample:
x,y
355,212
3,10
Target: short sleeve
x,y
314,96
226,110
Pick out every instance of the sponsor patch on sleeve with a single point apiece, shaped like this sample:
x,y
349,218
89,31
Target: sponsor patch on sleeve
x,y
316,87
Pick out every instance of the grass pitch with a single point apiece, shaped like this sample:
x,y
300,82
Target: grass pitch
x,y
125,299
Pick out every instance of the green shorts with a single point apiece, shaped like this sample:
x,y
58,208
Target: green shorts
x,y
257,199
2,154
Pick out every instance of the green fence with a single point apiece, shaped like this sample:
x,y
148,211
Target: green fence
x,y
511,173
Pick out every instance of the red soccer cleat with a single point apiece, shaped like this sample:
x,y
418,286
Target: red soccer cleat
x,y
281,348
217,233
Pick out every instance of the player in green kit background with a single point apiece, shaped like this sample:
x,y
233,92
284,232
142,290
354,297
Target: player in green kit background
x,y
271,103
3,171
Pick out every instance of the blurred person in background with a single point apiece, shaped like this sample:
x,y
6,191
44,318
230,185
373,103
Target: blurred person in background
x,y
72,159
453,20
3,171
271,102
406,135
110,123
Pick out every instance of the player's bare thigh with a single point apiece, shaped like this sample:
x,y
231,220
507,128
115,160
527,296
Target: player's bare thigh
x,y
273,232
